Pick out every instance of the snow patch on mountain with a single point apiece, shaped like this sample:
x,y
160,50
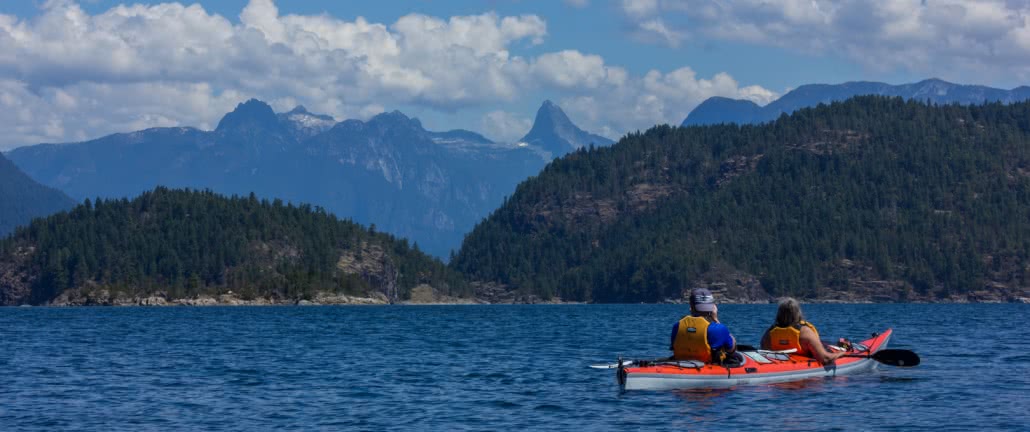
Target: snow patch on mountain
x,y
305,124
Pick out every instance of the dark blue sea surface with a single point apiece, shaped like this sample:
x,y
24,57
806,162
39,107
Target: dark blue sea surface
x,y
483,367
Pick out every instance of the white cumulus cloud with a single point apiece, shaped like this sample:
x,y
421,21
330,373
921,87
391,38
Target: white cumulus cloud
x,y
505,126
68,75
956,39
655,98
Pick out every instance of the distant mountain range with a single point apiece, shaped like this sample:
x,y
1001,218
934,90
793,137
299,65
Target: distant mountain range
x,y
724,110
22,199
389,171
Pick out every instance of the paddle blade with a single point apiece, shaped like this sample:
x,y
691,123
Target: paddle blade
x,y
605,366
897,357
625,363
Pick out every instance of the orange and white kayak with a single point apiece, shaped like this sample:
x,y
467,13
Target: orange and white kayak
x,y
752,367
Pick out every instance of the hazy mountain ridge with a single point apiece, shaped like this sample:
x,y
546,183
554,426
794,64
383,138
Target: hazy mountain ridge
x,y
22,199
717,110
430,187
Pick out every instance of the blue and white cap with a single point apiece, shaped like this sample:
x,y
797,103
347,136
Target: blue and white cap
x,y
702,300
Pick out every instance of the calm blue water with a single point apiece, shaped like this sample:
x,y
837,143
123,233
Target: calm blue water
x,y
481,367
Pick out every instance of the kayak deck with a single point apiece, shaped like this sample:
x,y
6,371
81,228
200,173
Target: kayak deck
x,y
758,367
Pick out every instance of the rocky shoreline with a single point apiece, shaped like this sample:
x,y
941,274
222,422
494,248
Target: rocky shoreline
x,y
742,292
106,298
345,300
421,295
971,299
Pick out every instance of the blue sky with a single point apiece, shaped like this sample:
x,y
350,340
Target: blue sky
x,y
597,29
78,70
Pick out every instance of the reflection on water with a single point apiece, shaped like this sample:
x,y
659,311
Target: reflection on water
x,y
900,379
697,403
702,396
808,384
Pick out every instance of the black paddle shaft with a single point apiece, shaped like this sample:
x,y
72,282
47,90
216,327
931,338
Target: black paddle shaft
x,y
893,357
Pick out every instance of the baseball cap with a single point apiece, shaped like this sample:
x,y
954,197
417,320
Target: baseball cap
x,y
702,300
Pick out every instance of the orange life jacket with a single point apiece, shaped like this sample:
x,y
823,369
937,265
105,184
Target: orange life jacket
x,y
785,338
691,341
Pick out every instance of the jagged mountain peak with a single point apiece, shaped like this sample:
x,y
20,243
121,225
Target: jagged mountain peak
x,y
555,133
252,114
395,118
390,115
550,114
254,107
549,105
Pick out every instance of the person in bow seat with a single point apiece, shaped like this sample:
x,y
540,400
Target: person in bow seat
x,y
792,332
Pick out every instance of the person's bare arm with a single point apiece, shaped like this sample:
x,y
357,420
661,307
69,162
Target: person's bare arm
x,y
809,338
765,344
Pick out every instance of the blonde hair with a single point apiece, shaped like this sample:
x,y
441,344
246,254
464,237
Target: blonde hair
x,y
789,313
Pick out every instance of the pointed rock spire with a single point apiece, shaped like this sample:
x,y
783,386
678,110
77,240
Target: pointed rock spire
x,y
554,132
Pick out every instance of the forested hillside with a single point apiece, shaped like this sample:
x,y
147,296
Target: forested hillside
x,y
182,244
871,199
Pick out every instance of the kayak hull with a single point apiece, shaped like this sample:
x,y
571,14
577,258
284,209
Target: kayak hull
x,y
771,369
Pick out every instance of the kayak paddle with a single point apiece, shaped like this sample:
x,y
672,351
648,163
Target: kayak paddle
x,y
893,357
643,363
750,348
628,363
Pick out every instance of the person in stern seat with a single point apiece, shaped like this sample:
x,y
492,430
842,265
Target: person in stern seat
x,y
791,331
700,336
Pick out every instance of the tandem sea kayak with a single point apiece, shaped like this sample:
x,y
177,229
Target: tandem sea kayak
x,y
752,367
